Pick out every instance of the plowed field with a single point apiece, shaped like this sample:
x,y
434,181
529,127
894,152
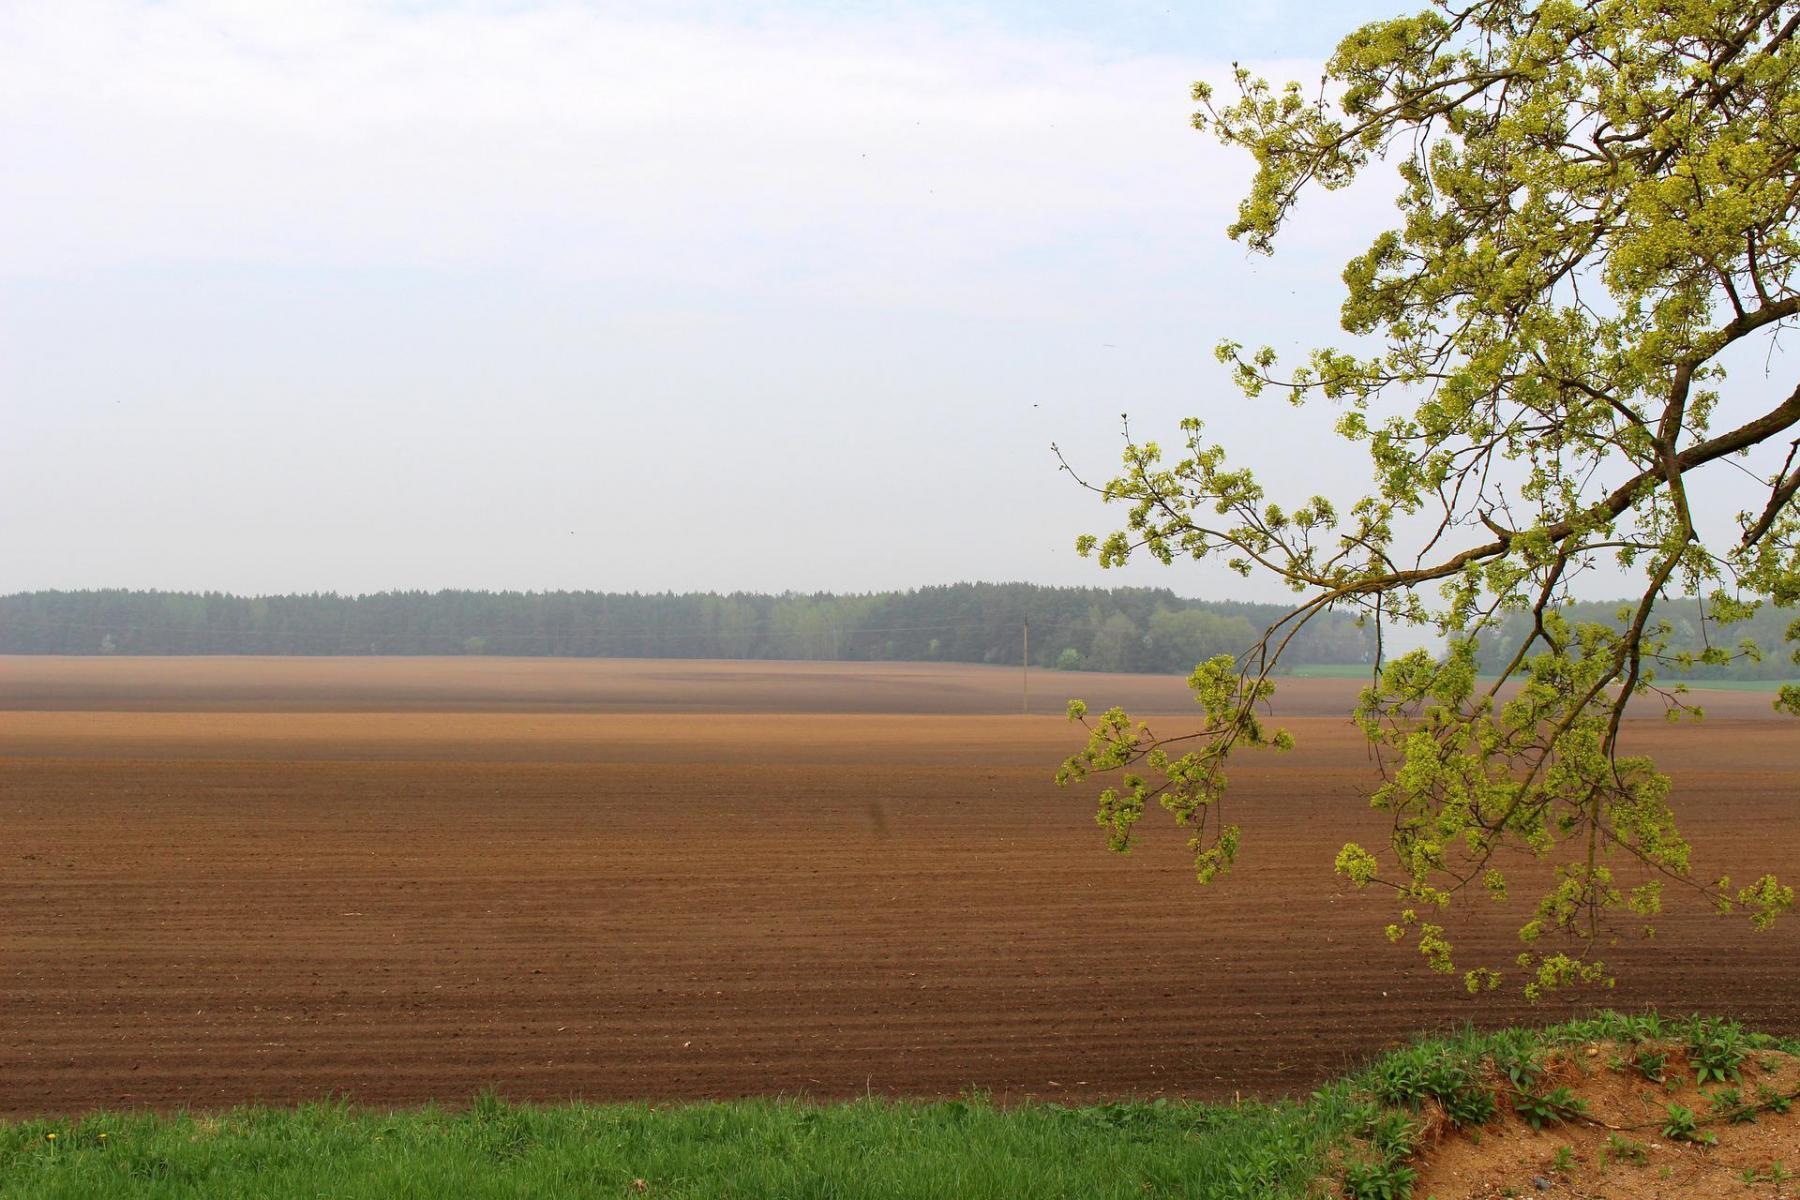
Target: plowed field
x,y
228,880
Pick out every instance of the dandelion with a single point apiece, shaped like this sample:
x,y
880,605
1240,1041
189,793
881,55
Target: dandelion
x,y
50,1137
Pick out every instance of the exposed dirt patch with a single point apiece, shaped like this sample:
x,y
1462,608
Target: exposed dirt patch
x,y
634,685
1618,1149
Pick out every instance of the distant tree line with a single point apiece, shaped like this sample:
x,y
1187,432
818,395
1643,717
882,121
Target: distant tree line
x,y
1121,629
1773,629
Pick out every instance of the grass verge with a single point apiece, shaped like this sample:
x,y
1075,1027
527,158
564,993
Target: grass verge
x,y
1355,1137
755,1148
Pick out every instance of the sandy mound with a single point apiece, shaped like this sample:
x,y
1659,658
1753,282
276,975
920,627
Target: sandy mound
x,y
1741,1146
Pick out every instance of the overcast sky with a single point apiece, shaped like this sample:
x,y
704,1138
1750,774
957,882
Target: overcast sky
x,y
351,297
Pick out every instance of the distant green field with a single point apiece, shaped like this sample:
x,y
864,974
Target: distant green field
x,y
1361,671
1740,685
1331,671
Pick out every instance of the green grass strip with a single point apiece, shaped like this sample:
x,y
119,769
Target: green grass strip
x,y
1695,683
757,1148
797,1150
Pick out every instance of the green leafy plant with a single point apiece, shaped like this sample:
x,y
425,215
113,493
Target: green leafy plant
x,y
1520,1065
1729,1103
1650,1064
1549,1108
1773,1100
1472,1106
1623,1149
1716,1050
1681,1125
1775,1173
1622,1027
1379,1181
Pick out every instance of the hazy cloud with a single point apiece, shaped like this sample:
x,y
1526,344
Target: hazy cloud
x,y
348,296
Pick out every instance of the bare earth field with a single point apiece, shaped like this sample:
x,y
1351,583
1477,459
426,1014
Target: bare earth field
x,y
228,880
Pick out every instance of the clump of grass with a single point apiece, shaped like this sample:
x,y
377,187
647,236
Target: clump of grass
x,y
1549,1108
1380,1180
1620,1148
1419,1073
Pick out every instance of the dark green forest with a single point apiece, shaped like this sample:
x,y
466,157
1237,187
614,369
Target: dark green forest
x,y
1122,629
1768,629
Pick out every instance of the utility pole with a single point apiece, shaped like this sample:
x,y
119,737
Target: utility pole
x,y
1025,663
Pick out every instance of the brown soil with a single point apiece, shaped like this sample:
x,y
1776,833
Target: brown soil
x,y
627,685
636,685
235,900
1617,1150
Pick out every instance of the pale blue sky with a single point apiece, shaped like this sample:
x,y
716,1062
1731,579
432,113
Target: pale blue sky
x,y
355,297
1255,28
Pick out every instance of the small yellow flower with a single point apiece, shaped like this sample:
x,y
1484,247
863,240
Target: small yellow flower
x,y
50,1136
